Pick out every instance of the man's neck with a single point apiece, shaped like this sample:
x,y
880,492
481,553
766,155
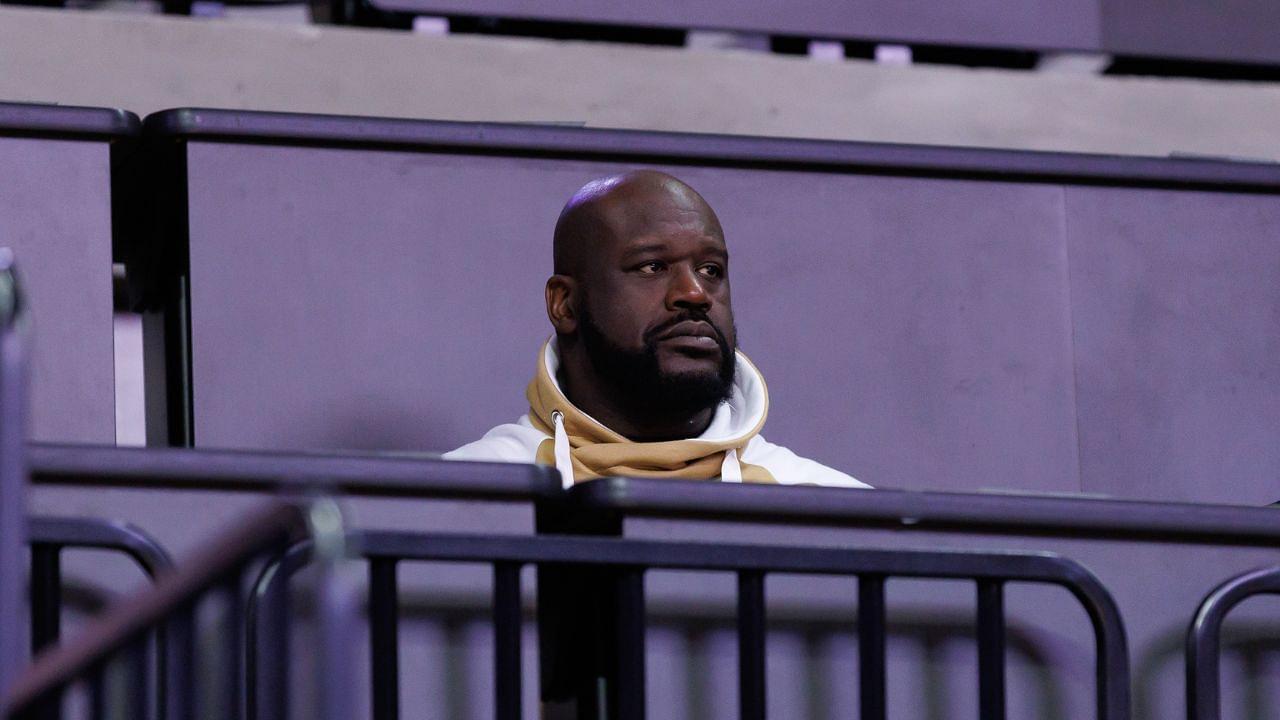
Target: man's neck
x,y
640,424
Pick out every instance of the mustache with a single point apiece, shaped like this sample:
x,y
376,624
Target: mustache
x,y
688,315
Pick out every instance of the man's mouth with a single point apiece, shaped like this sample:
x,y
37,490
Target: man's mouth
x,y
689,328
695,335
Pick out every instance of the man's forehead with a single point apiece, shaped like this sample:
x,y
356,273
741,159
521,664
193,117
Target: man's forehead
x,y
643,211
608,215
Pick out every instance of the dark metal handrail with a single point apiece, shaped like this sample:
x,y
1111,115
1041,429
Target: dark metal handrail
x,y
92,533
396,476
67,122
303,129
988,513
1204,638
48,537
264,532
630,558
257,471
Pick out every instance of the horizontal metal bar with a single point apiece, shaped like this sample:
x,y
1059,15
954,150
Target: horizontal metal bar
x,y
1039,567
706,149
1075,517
250,471
67,122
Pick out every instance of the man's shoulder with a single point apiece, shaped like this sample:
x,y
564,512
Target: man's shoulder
x,y
510,442
789,468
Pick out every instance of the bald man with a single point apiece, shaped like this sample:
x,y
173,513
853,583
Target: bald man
x,y
642,377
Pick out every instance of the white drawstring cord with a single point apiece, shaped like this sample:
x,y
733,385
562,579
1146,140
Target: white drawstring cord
x,y
731,469
564,462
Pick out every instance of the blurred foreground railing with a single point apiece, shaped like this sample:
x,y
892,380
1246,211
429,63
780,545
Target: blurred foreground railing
x,y
122,634
1204,638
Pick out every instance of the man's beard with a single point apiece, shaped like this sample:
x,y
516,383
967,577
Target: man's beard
x,y
639,380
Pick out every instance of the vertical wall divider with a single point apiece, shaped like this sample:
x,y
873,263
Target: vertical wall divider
x,y
46,595
991,650
871,647
508,621
231,659
180,681
627,701
751,645
384,624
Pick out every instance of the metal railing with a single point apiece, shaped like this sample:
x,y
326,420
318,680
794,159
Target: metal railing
x,y
171,605
622,563
49,536
14,359
354,474
1204,638
604,506
607,502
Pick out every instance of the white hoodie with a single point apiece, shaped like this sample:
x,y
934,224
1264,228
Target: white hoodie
x,y
737,417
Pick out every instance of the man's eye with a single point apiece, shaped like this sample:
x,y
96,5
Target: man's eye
x,y
650,268
712,271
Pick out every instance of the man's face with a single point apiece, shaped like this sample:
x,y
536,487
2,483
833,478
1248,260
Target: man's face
x,y
655,315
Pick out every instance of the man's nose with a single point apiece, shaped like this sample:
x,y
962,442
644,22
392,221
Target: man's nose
x,y
686,291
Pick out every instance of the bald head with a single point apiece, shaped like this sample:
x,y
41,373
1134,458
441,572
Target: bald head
x,y
641,306
618,207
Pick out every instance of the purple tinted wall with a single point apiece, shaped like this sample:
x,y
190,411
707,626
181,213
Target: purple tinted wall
x,y
914,332
1227,30
1176,299
918,333
55,212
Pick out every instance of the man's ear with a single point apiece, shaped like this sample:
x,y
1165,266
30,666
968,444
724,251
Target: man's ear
x,y
562,301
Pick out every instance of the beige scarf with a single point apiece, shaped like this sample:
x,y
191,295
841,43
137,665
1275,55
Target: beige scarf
x,y
591,450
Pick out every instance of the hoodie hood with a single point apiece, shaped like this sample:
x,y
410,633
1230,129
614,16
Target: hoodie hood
x,y
581,447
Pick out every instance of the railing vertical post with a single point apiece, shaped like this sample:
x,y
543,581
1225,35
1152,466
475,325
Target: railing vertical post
x,y
751,645
1204,645
13,471
267,644
507,626
384,609
337,609
991,650
871,646
231,646
1204,638
135,662
627,701
179,638
97,693
46,595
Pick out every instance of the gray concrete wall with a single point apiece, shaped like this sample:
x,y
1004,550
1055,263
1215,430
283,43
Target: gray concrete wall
x,y
149,63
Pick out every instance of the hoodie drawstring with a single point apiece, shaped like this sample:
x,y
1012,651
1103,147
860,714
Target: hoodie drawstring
x,y
564,463
731,469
